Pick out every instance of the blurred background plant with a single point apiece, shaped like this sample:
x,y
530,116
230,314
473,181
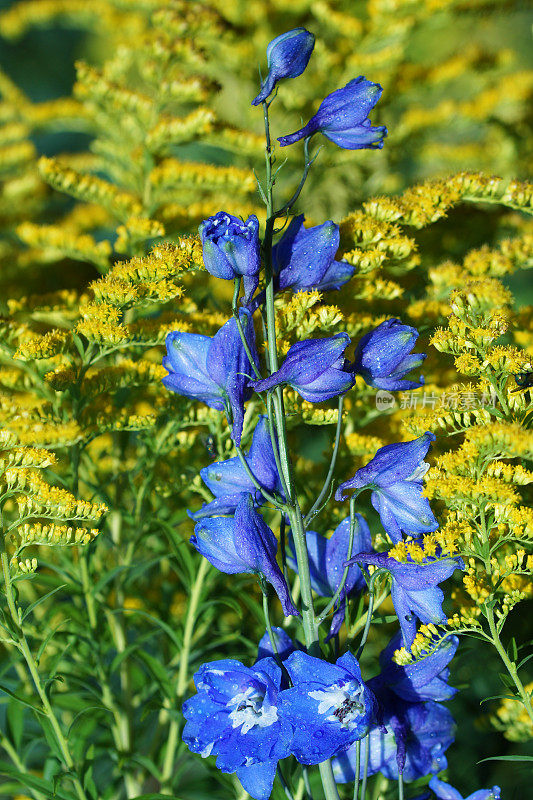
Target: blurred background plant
x,y
106,169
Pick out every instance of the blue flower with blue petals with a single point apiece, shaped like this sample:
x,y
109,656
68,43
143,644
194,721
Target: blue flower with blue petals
x,y
412,731
424,679
228,480
231,249
343,118
411,739
329,706
315,368
243,543
394,476
382,356
287,57
446,792
327,558
237,717
414,587
304,258
215,370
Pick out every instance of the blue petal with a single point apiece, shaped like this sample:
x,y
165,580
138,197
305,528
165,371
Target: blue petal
x,y
306,361
257,545
360,137
258,779
392,463
214,538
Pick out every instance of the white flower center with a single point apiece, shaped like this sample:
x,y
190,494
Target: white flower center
x,y
344,700
249,711
419,472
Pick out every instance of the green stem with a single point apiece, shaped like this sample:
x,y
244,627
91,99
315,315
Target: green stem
x,y
315,508
294,513
235,310
342,583
365,769
400,786
510,665
357,769
167,771
34,672
264,492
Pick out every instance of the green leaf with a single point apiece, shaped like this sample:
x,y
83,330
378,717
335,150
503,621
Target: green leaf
x,y
40,600
507,758
15,722
31,782
84,711
23,700
158,671
47,639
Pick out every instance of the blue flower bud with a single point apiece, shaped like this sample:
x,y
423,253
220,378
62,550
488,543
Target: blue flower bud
x,y
231,249
304,258
315,368
343,118
243,543
382,356
395,477
287,57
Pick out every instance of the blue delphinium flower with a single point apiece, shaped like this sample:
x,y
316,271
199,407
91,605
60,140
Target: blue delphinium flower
x,y
215,370
304,258
414,587
236,716
329,706
411,739
395,477
425,679
446,792
412,730
382,356
343,118
287,57
243,543
315,368
228,480
327,558
231,249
